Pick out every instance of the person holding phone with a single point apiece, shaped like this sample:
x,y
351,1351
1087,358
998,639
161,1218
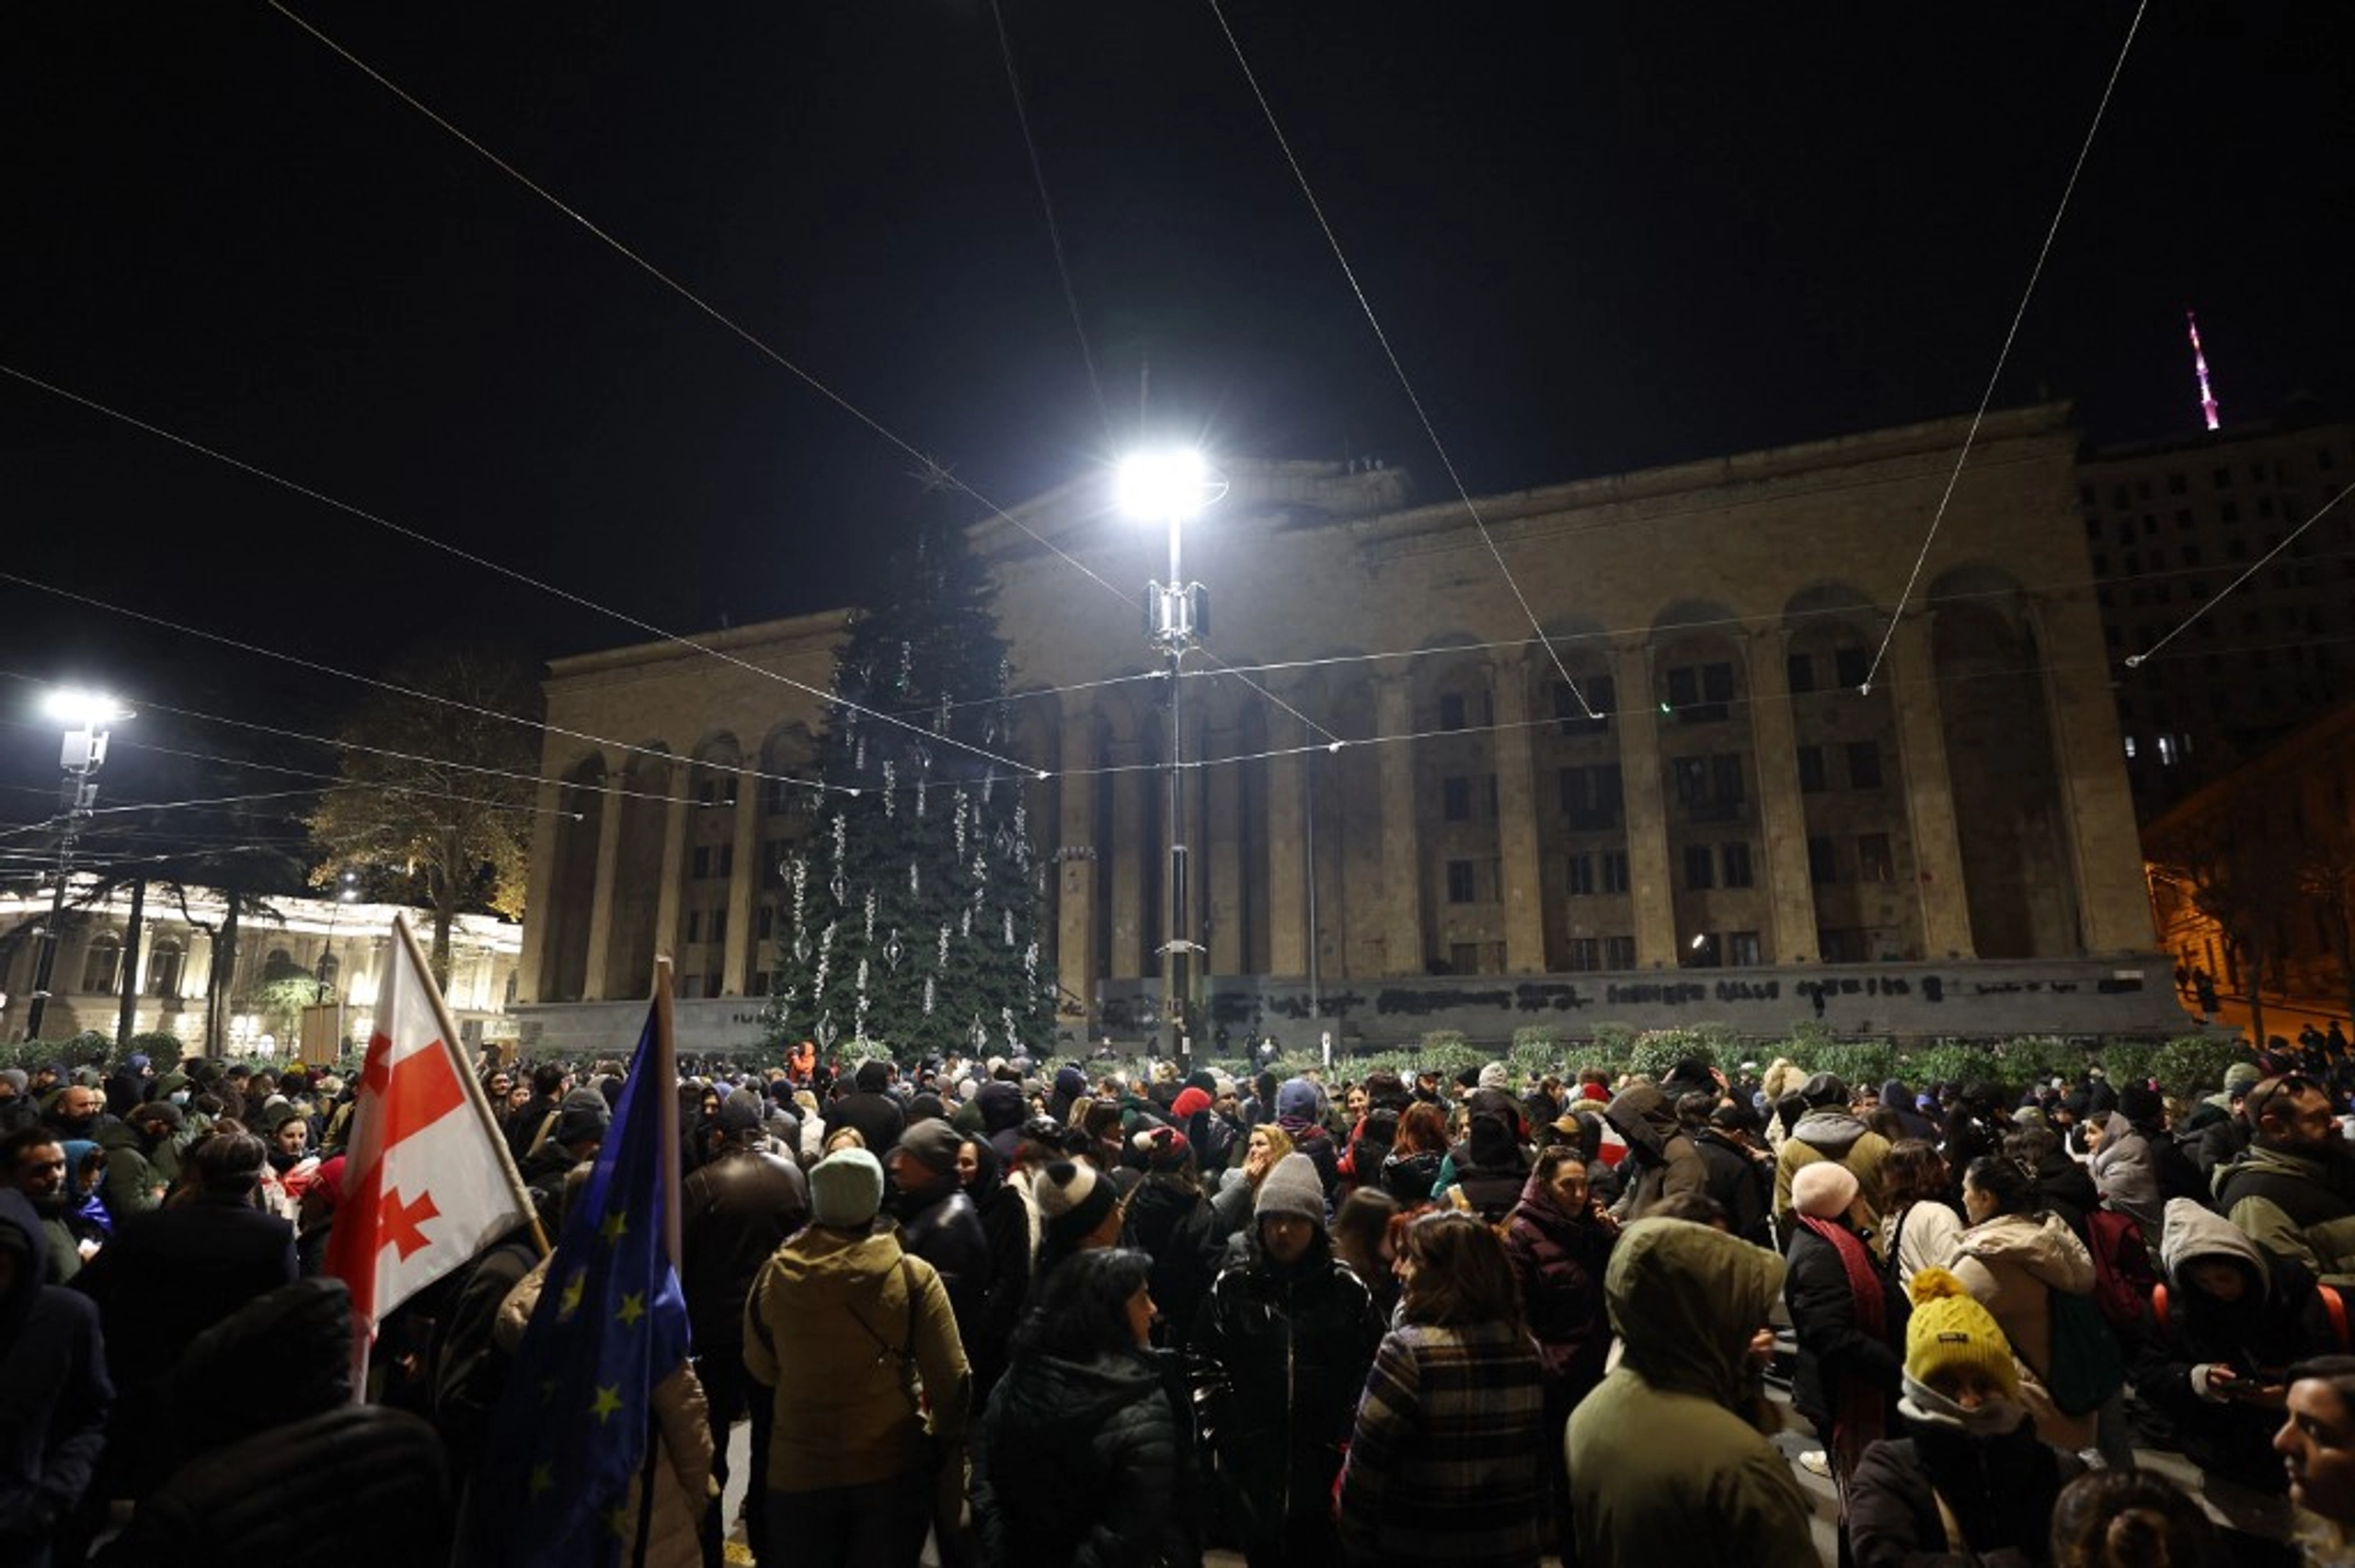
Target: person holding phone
x,y
2216,1338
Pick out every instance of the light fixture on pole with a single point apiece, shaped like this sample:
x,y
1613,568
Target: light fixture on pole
x,y
85,715
346,891
1167,487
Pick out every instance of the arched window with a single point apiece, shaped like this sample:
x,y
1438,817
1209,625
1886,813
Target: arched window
x,y
101,963
164,967
278,966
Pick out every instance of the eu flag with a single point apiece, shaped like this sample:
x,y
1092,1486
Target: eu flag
x,y
573,1426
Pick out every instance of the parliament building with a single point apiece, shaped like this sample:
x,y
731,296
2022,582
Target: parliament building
x,y
1747,776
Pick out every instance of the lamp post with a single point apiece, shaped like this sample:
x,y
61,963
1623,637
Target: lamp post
x,y
1168,487
346,891
85,715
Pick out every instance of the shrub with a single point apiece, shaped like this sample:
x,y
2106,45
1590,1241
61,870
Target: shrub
x,y
2193,1065
2130,1061
1657,1050
160,1047
1857,1062
1537,1049
1952,1061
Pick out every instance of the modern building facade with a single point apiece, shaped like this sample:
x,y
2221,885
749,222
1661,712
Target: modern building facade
x,y
171,967
2173,529
1729,781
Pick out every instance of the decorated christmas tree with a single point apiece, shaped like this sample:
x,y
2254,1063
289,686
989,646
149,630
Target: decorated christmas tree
x,y
913,906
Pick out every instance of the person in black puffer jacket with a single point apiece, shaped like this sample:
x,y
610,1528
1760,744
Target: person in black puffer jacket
x,y
1559,1242
1488,1170
302,1476
1169,1220
1006,1223
1075,1459
1281,1348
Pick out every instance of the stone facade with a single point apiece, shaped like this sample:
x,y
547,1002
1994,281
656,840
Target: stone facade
x,y
1391,785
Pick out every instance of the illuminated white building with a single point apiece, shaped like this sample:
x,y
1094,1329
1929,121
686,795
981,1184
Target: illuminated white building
x,y
344,945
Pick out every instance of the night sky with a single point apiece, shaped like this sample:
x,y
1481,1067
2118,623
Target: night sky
x,y
1599,236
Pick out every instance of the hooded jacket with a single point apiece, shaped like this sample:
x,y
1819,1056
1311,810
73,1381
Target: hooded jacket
x,y
1281,1356
2012,1265
2000,1484
53,1391
2296,1205
1662,1469
2278,1320
1558,1258
1663,1158
1075,1462
1831,1132
2139,1169
830,1316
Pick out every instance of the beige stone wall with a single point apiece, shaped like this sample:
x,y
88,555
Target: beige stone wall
x,y
1442,834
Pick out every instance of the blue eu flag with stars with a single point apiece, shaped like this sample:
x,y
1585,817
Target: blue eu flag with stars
x,y
573,1427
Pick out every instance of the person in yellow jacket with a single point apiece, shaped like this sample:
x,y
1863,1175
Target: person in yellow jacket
x,y
871,1384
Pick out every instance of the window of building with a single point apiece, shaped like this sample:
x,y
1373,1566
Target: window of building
x,y
2230,511
1618,952
1614,870
1798,672
1701,953
1451,710
761,983
1581,880
1852,663
2265,506
1455,798
1571,718
1843,945
1811,778
1822,864
1741,949
717,929
700,864
706,792
711,984
1700,693
1462,883
690,987
2183,519
1733,860
1590,795
2177,485
1463,957
694,925
1700,867
1874,861
1864,764
1585,954
164,961
101,963
765,922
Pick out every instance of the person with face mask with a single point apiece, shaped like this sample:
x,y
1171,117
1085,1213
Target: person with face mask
x,y
1968,1463
1282,1344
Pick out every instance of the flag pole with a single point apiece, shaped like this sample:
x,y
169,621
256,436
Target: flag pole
x,y
472,1085
665,1069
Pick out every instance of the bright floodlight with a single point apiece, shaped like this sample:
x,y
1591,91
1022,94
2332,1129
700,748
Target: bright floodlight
x,y
1157,485
83,709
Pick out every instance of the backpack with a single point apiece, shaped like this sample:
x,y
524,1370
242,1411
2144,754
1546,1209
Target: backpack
x,y
2123,1279
2088,1367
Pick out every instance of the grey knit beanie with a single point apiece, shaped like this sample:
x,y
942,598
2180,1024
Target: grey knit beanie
x,y
1292,1188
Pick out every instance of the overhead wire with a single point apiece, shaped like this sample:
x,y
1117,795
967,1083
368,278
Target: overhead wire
x,y
1431,430
2135,661
2003,354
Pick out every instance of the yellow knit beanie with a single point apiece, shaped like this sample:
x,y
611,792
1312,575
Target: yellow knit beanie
x,y
1949,1330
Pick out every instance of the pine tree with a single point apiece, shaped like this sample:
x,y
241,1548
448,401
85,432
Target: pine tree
x,y
912,908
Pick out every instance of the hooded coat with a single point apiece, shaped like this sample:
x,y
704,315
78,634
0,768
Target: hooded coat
x,y
2294,1205
1832,1132
53,1391
829,1316
1075,1462
2278,1320
1662,1469
1006,1223
2139,1169
1560,1258
1660,1159
1281,1356
2012,1265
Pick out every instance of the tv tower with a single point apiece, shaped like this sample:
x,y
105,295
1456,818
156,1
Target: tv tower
x,y
2200,364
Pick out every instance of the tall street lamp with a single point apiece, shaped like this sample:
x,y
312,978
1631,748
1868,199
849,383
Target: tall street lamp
x,y
346,891
1168,487
85,715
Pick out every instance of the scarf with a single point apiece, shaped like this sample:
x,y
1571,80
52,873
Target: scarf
x,y
1860,1412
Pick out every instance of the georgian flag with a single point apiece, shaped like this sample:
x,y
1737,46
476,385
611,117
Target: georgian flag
x,y
427,1184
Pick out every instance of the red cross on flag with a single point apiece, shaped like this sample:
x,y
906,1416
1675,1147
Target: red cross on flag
x,y
427,1183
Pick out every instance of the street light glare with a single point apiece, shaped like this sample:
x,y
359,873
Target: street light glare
x,y
1157,486
82,708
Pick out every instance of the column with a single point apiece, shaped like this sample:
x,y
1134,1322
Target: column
x,y
1220,838
744,887
601,904
1929,791
1524,878
1077,846
2113,902
1782,810
540,917
1402,915
675,862
1652,896
1137,832
1287,868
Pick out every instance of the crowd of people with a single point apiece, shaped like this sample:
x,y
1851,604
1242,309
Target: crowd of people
x,y
1020,1313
